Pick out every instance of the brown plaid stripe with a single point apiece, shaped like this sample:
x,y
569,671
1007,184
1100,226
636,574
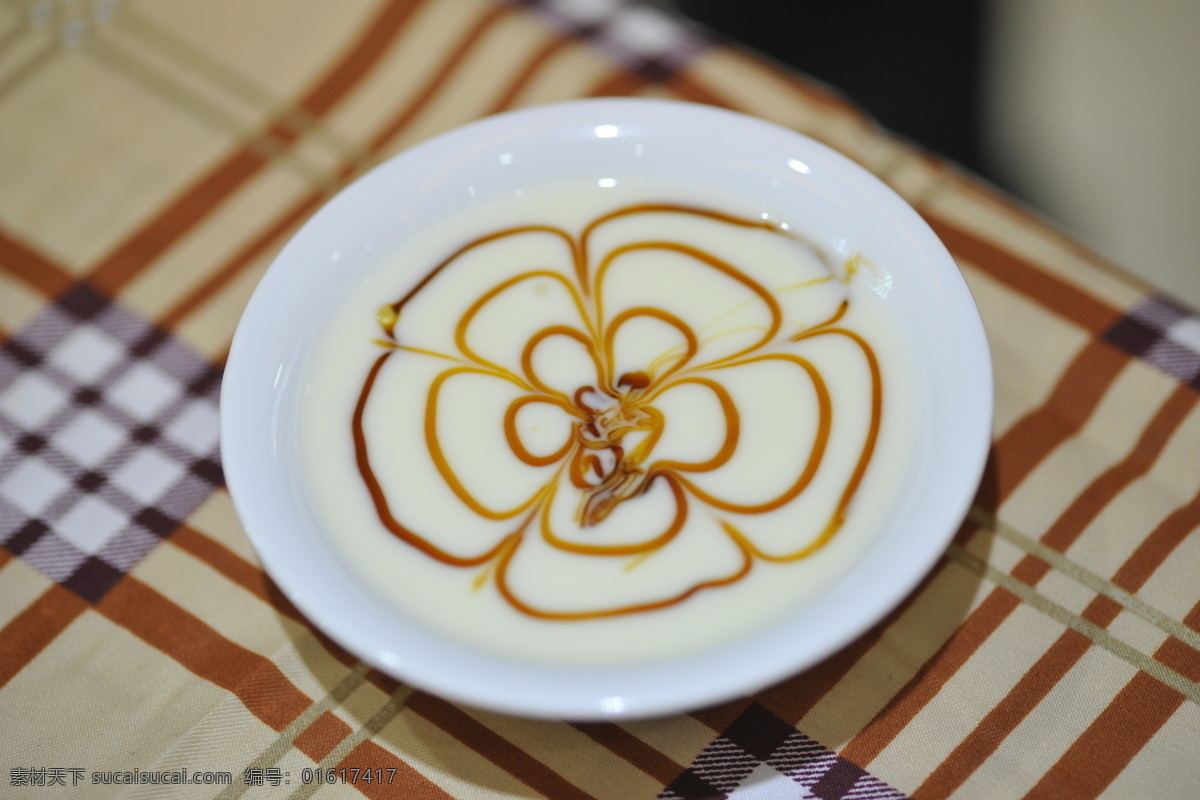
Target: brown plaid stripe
x,y
1055,651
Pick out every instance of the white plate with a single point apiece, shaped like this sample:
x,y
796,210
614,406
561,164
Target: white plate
x,y
843,206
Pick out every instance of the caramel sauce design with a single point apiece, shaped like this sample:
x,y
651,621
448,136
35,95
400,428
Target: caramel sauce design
x,y
607,458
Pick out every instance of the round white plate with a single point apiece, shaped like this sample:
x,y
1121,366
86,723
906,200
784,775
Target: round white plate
x,y
844,207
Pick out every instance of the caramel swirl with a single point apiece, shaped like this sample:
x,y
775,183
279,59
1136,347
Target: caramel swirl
x,y
607,458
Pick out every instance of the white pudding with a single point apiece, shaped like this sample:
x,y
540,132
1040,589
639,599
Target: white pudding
x,y
608,425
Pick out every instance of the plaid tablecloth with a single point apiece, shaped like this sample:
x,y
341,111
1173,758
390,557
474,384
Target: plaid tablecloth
x,y
155,154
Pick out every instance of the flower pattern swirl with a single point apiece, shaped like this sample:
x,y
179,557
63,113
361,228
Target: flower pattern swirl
x,y
617,412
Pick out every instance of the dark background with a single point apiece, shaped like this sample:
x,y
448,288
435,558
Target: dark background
x,y
914,66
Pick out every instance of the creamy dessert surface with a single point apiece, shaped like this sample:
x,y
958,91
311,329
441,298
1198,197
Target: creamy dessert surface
x,y
608,425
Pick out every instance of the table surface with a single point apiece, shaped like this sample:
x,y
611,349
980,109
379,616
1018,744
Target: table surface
x,y
153,158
